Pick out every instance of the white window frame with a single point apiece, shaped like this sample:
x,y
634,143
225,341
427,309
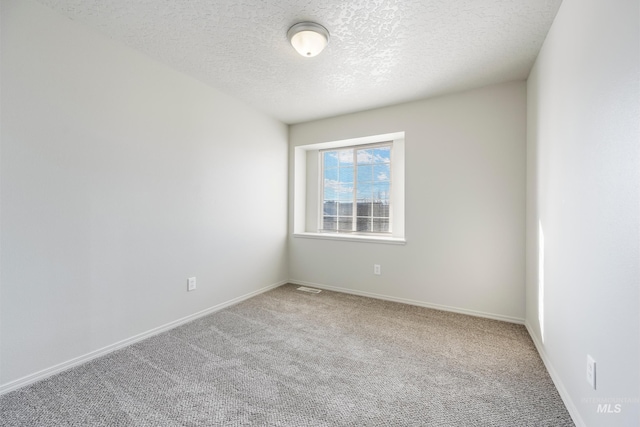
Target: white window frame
x,y
307,187
354,213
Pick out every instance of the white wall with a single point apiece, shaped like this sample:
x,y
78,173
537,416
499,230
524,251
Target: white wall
x,y
120,179
583,193
464,211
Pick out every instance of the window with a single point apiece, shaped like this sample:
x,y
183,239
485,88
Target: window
x,y
356,189
350,189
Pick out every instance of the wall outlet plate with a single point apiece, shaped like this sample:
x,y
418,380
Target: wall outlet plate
x,y
191,284
376,269
591,371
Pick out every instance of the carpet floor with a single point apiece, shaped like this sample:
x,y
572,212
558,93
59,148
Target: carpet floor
x,y
290,358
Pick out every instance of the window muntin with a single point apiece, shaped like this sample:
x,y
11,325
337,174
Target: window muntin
x,y
356,189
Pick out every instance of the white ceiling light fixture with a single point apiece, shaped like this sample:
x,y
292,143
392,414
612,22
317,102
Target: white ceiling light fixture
x,y
308,38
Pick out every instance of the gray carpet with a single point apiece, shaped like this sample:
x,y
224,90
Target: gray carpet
x,y
288,358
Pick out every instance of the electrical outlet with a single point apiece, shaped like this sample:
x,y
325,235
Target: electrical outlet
x,y
591,371
376,269
191,284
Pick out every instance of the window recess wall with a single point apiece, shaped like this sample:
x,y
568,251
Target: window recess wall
x,y
311,219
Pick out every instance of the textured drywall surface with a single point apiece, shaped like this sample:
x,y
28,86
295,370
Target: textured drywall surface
x,y
381,52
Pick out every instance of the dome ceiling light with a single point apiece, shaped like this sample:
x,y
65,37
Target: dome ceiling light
x,y
308,38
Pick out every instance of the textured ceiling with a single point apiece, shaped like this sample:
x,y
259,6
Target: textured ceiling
x,y
380,52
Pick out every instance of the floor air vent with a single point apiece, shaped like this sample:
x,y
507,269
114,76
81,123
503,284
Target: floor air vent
x,y
310,290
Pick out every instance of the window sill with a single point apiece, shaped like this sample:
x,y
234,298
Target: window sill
x,y
353,238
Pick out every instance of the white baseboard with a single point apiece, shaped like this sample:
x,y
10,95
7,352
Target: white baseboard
x,y
566,398
45,373
412,302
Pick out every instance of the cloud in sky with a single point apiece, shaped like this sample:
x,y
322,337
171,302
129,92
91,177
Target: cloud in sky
x,y
333,189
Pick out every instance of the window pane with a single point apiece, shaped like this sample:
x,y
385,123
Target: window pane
x,y
330,159
365,174
364,224
365,191
382,172
380,225
331,184
365,156
364,208
382,155
330,192
330,208
345,209
381,191
345,224
346,174
381,209
345,157
345,193
330,174
329,223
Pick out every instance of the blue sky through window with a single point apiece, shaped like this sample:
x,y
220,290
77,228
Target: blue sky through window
x,y
373,174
